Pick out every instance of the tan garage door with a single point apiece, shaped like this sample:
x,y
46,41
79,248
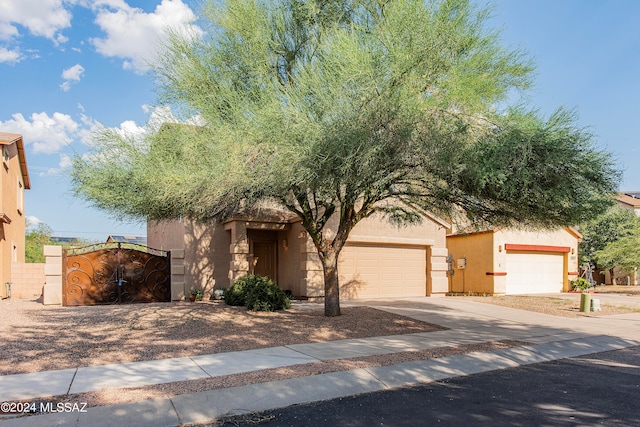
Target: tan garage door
x,y
376,271
534,273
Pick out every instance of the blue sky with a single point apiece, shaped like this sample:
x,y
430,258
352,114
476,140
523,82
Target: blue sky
x,y
68,67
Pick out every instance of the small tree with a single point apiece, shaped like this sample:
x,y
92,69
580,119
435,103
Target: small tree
x,y
339,110
37,236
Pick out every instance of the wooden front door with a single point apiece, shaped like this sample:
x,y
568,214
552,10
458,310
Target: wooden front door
x,y
265,258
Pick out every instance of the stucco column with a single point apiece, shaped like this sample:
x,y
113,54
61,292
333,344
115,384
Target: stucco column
x,y
53,275
312,285
178,291
438,280
239,250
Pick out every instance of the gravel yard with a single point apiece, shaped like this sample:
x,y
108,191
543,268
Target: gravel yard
x,y
565,305
39,338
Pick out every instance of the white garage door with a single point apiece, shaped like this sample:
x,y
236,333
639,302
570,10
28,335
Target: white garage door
x,y
534,273
375,271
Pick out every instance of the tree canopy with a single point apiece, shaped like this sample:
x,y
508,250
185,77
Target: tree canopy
x,y
37,236
614,224
345,109
624,253
612,240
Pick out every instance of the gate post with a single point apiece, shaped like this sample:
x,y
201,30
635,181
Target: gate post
x,y
52,294
178,291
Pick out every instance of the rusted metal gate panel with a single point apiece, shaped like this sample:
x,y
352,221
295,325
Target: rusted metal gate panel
x,y
115,273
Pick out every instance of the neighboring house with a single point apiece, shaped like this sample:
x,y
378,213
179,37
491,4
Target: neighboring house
x,y
630,200
14,180
138,240
379,260
508,262
64,241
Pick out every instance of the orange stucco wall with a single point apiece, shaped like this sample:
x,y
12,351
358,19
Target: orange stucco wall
x,y
476,250
486,256
12,235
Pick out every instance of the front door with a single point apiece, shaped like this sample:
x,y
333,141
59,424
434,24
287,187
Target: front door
x,y
265,259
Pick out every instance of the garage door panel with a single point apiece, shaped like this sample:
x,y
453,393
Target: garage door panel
x,y
368,271
532,273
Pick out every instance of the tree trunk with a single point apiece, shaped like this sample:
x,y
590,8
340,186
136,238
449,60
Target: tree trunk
x,y
329,261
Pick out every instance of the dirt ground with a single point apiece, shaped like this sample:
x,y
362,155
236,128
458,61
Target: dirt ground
x,y
617,289
39,338
563,305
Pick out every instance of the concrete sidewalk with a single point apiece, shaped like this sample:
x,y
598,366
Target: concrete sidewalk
x,y
470,322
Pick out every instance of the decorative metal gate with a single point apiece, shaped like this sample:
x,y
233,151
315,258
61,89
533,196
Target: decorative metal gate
x,y
115,273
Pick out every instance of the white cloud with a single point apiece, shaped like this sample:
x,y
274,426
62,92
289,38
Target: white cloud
x,y
7,31
40,18
64,163
70,75
65,86
10,56
33,221
134,35
44,18
45,134
73,73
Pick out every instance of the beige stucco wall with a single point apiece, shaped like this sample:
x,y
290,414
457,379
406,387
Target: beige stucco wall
x,y
290,276
216,254
205,262
376,230
28,280
12,235
166,235
206,256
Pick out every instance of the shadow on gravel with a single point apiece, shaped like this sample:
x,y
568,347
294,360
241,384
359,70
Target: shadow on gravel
x,y
37,337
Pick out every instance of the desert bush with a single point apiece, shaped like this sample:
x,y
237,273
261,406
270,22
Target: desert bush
x,y
266,296
257,293
580,284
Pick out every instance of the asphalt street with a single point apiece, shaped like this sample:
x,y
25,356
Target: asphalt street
x,y
599,389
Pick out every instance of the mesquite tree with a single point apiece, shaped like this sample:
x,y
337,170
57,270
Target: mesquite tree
x,y
336,110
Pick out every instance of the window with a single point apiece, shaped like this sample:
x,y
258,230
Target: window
x,y
20,197
5,157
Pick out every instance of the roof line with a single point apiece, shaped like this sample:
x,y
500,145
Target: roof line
x,y
11,138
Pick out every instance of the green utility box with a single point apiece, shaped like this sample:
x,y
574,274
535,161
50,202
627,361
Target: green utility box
x,y
585,303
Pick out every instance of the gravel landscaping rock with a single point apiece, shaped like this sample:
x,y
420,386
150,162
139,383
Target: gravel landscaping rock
x,y
39,338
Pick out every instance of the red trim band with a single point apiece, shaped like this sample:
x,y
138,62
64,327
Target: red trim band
x,y
536,248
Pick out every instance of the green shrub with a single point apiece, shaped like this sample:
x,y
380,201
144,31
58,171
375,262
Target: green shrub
x,y
236,293
257,293
267,296
580,284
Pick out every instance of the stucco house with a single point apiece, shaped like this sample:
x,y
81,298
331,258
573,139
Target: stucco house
x,y
14,180
629,200
507,261
379,259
